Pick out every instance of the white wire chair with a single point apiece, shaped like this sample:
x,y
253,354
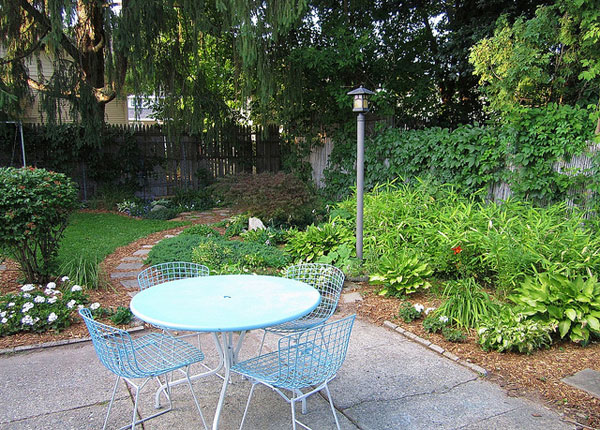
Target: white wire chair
x,y
309,359
172,271
148,357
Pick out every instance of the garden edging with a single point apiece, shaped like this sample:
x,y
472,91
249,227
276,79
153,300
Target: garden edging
x,y
438,349
26,348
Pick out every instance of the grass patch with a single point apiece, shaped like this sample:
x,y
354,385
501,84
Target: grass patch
x,y
90,237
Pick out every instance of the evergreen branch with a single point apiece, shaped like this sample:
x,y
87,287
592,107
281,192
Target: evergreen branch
x,y
28,52
43,20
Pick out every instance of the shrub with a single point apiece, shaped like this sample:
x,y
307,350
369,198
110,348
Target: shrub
x,y
201,230
318,241
178,248
163,213
266,236
275,198
236,225
466,303
192,200
512,332
400,275
222,256
34,205
122,315
555,299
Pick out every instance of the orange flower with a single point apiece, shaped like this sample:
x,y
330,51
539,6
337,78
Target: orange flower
x,y
457,250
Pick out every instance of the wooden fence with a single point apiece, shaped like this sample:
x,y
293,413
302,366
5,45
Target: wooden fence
x,y
168,162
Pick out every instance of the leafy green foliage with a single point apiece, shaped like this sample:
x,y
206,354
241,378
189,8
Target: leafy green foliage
x,y
512,332
551,57
122,315
434,323
276,198
573,304
458,237
178,248
452,334
466,304
408,313
35,205
236,225
223,256
319,241
523,150
202,230
267,236
401,274
38,309
192,200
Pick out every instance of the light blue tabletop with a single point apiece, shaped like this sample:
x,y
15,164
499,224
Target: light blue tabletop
x,y
224,303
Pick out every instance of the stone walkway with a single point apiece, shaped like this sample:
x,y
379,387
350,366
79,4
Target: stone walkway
x,y
129,267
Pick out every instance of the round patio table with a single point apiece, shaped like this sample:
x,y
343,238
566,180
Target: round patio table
x,y
225,304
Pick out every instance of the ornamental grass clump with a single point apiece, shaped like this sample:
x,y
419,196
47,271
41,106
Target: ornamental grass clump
x,y
35,205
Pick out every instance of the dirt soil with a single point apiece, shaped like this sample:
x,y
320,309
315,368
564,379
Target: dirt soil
x,y
536,376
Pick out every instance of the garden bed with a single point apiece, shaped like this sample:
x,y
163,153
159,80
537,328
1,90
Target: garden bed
x,y
536,376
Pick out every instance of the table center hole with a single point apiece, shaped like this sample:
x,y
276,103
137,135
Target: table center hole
x,y
226,297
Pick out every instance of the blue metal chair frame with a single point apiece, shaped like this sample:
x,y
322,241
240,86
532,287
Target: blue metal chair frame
x,y
309,359
172,271
328,280
147,357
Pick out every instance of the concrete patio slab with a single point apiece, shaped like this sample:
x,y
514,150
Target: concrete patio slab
x,y
387,382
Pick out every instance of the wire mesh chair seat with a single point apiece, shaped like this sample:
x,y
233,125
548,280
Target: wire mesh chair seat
x,y
148,357
307,360
171,271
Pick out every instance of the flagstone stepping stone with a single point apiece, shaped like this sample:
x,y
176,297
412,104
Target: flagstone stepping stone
x,y
129,266
351,297
147,246
122,275
587,380
2,267
130,283
142,252
131,258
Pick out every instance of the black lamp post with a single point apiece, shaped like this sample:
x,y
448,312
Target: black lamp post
x,y
361,106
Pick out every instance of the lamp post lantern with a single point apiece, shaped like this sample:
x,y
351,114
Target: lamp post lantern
x,y
360,105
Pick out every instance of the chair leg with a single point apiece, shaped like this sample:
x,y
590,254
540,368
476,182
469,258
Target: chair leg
x,y
262,342
187,375
247,405
135,405
337,423
112,399
299,393
293,405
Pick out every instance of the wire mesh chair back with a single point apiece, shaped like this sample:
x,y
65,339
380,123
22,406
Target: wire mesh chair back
x,y
113,346
313,356
172,271
327,279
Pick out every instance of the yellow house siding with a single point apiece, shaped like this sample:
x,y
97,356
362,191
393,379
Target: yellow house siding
x,y
115,111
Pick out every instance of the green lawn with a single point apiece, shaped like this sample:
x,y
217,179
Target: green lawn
x,y
90,237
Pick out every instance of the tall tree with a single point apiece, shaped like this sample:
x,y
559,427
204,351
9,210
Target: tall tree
x,y
98,46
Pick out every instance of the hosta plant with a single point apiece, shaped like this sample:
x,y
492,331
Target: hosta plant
x,y
574,304
400,275
509,331
318,241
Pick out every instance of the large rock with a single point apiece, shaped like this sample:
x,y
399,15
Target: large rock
x,y
255,224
